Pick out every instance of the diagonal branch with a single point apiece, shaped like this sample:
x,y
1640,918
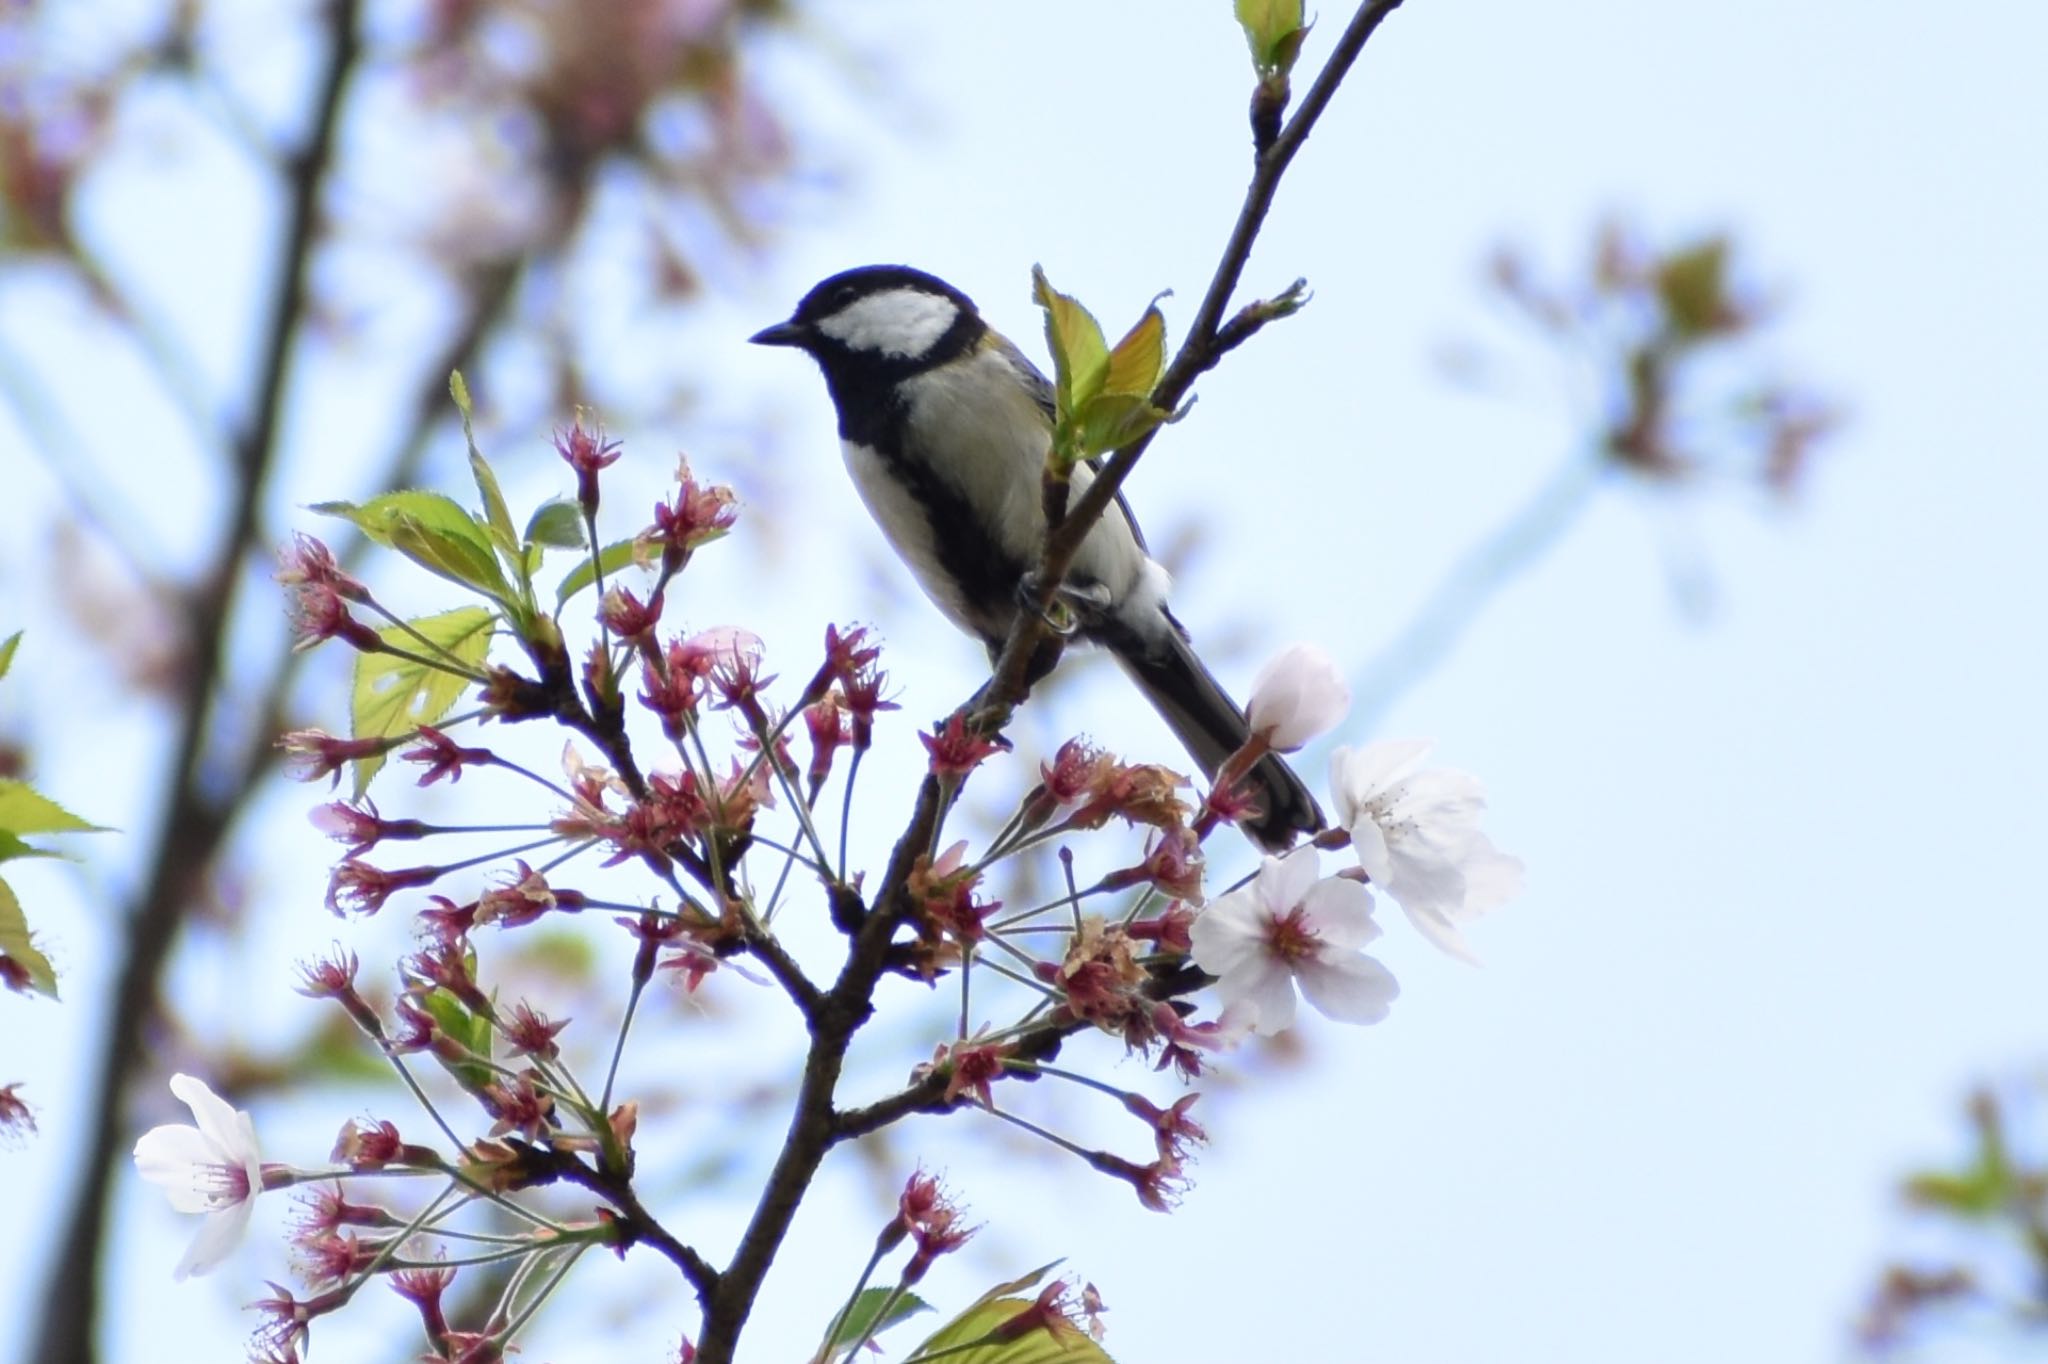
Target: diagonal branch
x,y
1198,354
815,1126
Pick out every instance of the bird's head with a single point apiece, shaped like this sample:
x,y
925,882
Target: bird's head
x,y
885,317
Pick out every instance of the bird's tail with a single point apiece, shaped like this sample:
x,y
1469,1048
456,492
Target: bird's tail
x,y
1211,727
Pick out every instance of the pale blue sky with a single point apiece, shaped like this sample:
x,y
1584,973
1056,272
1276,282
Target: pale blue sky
x,y
1781,909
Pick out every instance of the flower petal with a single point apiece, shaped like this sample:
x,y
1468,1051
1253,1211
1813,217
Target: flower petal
x,y
1283,881
1491,880
233,1135
1359,774
1369,841
1340,912
1427,885
1437,926
1348,987
1298,695
1268,988
1226,933
217,1236
177,1157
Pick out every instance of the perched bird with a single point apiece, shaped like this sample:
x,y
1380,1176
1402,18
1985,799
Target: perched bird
x,y
945,427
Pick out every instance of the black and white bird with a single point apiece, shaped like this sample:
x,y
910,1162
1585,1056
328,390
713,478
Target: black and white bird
x,y
945,427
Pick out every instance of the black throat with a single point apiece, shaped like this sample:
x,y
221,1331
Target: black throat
x,y
863,383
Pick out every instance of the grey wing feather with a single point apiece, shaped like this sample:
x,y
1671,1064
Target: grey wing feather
x,y
1040,388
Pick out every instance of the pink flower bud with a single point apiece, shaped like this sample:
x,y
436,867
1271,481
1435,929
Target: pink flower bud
x,y
1298,695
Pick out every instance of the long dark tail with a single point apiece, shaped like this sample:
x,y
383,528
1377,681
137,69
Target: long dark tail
x,y
1211,726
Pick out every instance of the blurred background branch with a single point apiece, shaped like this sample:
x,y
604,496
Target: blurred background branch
x,y
541,109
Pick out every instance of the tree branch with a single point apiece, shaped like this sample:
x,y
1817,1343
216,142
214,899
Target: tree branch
x,y
1040,1043
815,1126
640,1223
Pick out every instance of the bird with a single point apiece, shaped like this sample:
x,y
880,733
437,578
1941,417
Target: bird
x,y
945,426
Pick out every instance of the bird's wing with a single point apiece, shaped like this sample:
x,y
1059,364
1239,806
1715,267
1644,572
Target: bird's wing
x,y
1040,389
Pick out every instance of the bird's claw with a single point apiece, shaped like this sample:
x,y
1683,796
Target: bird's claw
x,y
1071,603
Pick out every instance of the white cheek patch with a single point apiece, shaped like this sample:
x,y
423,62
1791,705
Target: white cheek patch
x,y
902,323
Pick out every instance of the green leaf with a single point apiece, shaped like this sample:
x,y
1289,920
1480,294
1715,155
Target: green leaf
x,y
862,1324
25,810
1287,51
1140,358
568,957
471,1029
431,530
614,557
336,1052
7,648
1113,421
556,523
1080,356
12,848
993,1309
15,943
1274,31
497,516
458,389
395,695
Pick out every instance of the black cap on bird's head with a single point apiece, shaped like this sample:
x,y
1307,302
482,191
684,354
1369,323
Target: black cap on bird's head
x,y
886,315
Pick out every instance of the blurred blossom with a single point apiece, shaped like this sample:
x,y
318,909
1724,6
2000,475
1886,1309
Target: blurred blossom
x,y
1672,337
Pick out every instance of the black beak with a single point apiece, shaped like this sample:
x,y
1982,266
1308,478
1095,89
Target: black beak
x,y
781,334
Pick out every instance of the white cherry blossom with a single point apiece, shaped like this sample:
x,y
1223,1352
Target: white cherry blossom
x,y
1417,836
1292,927
213,1168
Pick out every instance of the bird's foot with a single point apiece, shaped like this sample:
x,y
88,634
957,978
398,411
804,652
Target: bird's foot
x,y
1072,604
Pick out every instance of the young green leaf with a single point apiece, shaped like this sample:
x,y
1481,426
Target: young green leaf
x,y
1139,359
556,523
1080,355
25,810
7,648
16,944
431,530
395,695
862,1323
497,516
614,557
1273,30
1113,421
458,389
991,1310
471,1029
12,848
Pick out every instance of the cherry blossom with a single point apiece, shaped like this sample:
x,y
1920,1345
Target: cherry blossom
x,y
1289,927
1417,836
213,1168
